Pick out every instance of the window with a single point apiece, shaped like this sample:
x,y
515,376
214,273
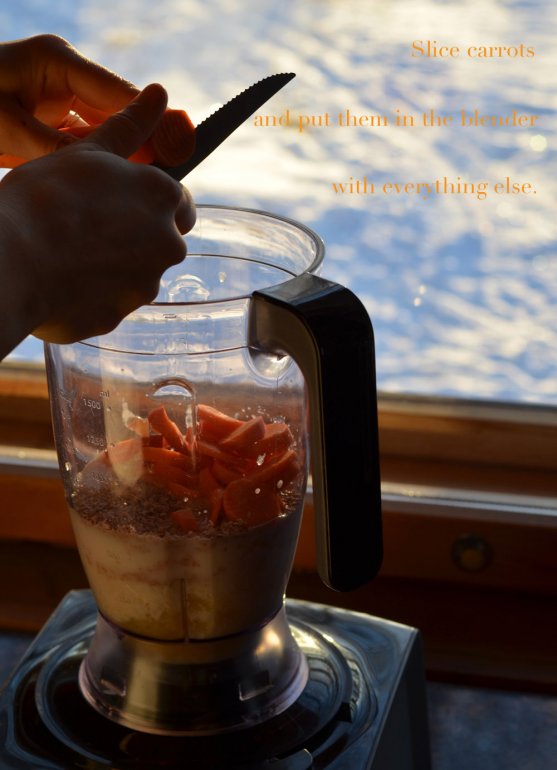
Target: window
x,y
458,275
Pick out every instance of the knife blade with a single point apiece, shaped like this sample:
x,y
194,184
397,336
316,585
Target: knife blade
x,y
220,124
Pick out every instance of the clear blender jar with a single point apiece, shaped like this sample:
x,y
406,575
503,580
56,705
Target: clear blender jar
x,y
184,439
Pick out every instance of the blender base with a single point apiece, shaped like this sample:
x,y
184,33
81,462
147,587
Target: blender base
x,y
201,688
363,707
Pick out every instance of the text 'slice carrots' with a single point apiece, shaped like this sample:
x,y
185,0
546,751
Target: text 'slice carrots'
x,y
234,469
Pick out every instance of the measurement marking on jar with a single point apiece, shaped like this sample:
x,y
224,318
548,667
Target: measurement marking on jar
x,y
96,440
92,403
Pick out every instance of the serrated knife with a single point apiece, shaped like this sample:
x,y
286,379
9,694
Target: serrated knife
x,y
220,124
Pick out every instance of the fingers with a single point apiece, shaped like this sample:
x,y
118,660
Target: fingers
x,y
98,91
44,79
125,132
23,135
185,212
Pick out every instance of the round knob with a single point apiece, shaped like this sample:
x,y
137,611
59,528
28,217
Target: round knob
x,y
472,553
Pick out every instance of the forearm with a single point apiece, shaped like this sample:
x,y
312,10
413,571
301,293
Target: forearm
x,y
85,234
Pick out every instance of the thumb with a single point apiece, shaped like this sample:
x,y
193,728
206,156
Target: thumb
x,y
126,131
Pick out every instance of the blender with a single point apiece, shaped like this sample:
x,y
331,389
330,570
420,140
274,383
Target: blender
x,y
185,438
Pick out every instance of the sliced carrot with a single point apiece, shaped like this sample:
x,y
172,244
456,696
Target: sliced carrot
x,y
207,482
207,449
155,440
244,436
173,140
185,519
170,473
215,425
216,497
210,488
233,467
250,503
180,491
276,439
283,469
161,422
225,473
164,456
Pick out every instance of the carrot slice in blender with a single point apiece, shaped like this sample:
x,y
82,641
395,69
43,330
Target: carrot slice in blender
x,y
225,473
161,422
244,436
164,456
170,473
215,425
180,491
250,503
276,439
210,488
283,469
185,519
205,449
216,497
207,482
155,440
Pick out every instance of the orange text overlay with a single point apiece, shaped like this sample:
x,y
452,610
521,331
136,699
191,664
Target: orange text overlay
x,y
431,49
346,118
443,186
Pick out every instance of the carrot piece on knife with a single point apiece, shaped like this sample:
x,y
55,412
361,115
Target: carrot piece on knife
x,y
173,140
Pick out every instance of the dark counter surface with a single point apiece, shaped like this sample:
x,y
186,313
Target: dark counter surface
x,y
471,728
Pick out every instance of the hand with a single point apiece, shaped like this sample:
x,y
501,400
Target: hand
x,y
85,235
46,84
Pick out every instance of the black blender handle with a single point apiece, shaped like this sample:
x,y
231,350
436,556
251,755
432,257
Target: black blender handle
x,y
327,331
